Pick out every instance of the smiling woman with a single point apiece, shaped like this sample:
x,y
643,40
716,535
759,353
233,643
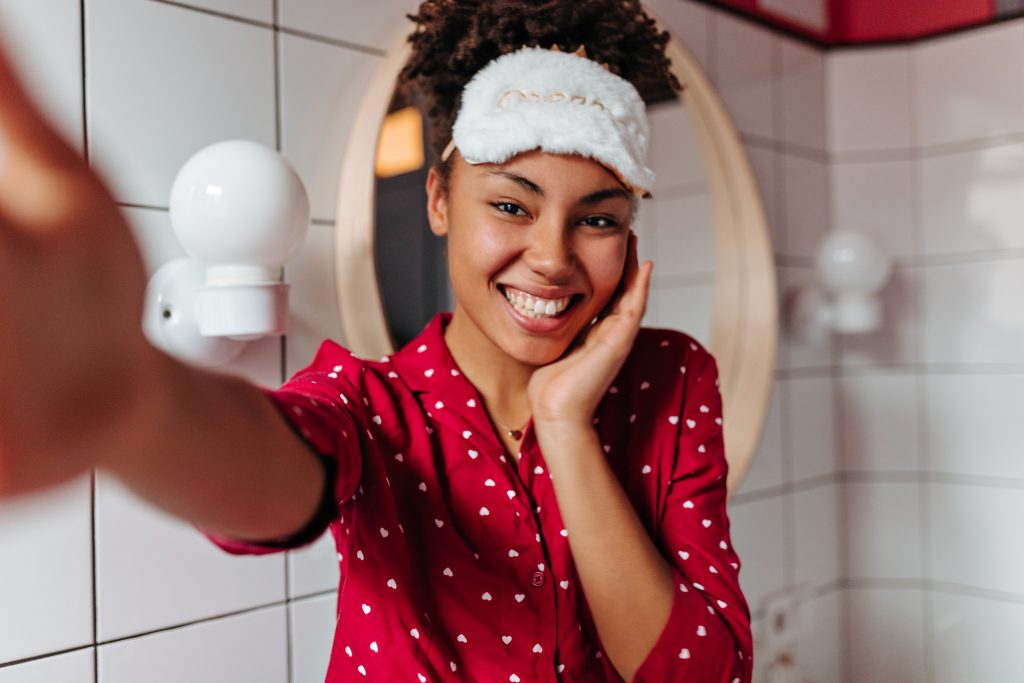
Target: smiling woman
x,y
386,294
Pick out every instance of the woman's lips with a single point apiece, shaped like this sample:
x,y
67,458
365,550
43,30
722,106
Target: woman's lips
x,y
533,322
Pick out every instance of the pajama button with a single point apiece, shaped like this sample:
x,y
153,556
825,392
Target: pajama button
x,y
538,578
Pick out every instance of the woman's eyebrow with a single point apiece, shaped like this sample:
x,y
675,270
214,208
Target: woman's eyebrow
x,y
592,198
521,180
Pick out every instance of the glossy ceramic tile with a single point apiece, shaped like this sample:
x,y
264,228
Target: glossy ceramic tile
x,y
765,163
975,639
321,89
313,569
886,636
744,74
876,198
974,424
674,153
73,667
689,22
313,299
758,535
960,96
249,647
46,572
44,40
811,425
972,312
766,469
256,10
819,638
971,201
378,25
883,530
975,536
880,422
313,621
803,94
897,341
147,565
816,534
805,204
152,105
688,308
686,235
869,100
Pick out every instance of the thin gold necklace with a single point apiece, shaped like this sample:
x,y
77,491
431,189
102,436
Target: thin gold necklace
x,y
516,434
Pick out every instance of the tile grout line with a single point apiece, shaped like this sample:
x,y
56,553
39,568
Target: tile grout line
x,y
276,42
94,579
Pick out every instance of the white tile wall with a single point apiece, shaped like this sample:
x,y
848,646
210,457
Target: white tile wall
x,y
870,103
317,111
44,39
975,536
674,153
980,415
886,636
767,468
148,567
971,201
960,95
877,198
247,647
256,10
685,229
46,565
152,104
313,569
972,312
758,533
313,621
883,530
811,426
744,74
803,95
819,639
816,535
378,25
689,22
879,414
975,639
806,204
313,299
898,340
73,667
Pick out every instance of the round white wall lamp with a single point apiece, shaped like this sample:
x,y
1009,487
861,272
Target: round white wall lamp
x,y
851,270
241,212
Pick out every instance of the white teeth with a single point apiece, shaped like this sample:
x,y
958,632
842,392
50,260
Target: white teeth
x,y
535,307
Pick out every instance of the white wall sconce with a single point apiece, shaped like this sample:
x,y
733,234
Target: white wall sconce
x,y
240,212
851,270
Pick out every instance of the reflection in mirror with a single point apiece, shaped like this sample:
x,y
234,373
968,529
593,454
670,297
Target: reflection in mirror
x,y
411,262
675,227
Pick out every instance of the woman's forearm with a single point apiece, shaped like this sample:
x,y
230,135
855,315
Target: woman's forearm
x,y
213,450
627,583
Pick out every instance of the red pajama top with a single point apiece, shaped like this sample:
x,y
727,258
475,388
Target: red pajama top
x,y
455,564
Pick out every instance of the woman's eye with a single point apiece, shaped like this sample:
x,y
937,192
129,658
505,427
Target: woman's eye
x,y
600,222
509,208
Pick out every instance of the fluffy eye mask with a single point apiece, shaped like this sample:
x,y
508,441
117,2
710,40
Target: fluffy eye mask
x,y
560,103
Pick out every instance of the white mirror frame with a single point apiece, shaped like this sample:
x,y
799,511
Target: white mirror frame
x,y
744,329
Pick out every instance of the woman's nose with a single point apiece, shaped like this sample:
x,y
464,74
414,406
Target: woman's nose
x,y
549,253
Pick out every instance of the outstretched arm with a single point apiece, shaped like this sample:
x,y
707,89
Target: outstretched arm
x,y
79,385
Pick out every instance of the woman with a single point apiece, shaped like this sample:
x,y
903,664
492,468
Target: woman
x,y
531,490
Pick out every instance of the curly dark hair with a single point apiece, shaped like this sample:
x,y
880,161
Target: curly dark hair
x,y
456,38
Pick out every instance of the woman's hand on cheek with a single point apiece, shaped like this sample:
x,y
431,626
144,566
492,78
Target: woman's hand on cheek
x,y
567,392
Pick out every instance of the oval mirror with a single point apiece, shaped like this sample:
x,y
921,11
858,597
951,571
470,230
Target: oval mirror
x,y
705,229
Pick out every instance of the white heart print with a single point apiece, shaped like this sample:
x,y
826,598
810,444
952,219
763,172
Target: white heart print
x,y
448,572
392,584
366,608
520,597
506,639
462,639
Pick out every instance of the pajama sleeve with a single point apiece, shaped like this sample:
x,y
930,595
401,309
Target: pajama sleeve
x,y
708,636
322,405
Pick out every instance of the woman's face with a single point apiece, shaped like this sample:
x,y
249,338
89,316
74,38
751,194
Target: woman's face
x,y
536,247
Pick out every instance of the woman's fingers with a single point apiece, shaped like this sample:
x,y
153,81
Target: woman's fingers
x,y
41,178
